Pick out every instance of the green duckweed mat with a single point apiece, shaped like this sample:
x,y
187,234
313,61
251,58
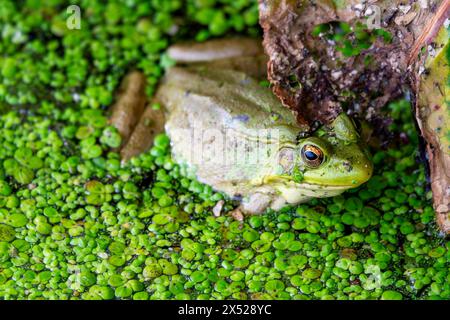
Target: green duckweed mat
x,y
75,223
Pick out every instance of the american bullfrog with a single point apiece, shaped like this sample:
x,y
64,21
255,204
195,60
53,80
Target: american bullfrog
x,y
233,134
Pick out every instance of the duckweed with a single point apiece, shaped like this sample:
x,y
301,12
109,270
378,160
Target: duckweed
x,y
77,223
7,233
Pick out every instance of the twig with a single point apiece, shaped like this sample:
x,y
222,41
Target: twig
x,y
430,30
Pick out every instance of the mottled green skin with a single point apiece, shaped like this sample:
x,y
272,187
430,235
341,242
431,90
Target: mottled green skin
x,y
231,107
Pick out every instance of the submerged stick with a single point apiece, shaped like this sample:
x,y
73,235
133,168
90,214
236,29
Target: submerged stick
x,y
150,124
215,49
430,29
129,105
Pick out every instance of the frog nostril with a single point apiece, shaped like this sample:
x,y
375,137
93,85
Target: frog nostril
x,y
348,166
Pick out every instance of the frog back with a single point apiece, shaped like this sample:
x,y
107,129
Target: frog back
x,y
225,125
229,98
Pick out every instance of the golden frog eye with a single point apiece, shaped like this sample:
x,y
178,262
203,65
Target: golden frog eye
x,y
312,155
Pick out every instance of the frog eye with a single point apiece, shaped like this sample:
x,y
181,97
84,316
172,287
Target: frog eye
x,y
312,155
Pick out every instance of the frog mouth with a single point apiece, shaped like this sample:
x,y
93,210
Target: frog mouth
x,y
294,192
288,182
318,187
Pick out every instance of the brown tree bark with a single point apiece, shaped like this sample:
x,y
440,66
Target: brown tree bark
x,y
317,80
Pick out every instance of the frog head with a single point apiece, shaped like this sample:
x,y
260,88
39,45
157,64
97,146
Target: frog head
x,y
332,158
